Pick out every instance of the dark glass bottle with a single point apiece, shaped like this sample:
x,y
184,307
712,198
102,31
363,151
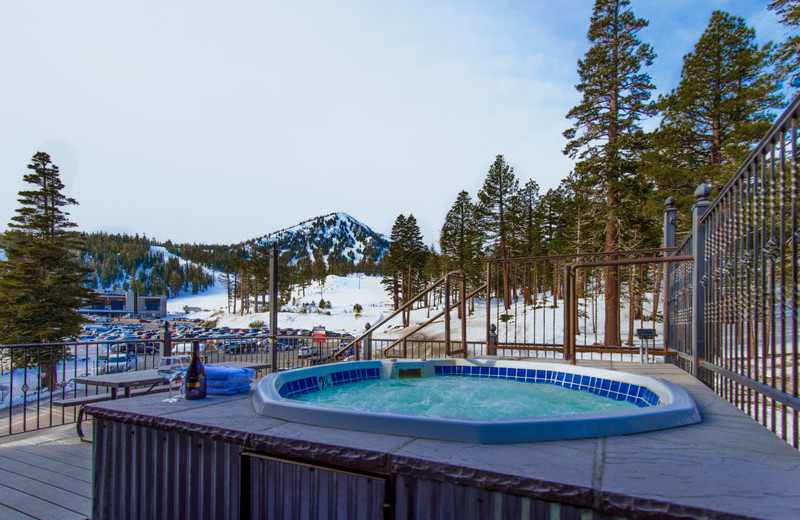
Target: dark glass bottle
x,y
195,385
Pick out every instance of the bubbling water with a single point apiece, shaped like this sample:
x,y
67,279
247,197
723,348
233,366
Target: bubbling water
x,y
463,398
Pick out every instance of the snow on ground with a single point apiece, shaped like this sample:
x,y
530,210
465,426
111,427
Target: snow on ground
x,y
343,292
86,361
542,324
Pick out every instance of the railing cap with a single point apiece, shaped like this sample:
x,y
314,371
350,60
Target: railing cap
x,y
703,192
669,203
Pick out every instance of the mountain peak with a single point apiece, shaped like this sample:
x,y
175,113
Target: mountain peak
x,y
338,236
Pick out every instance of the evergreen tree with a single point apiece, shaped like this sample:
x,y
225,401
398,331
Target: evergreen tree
x,y
607,138
41,283
461,239
319,271
395,260
787,57
495,200
528,240
527,229
720,109
405,263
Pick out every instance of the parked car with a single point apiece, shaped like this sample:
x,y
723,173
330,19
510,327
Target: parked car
x,y
306,352
142,348
120,362
283,345
318,333
240,347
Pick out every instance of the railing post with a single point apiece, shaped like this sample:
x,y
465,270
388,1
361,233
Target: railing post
x,y
463,289
447,314
166,345
368,344
670,229
568,337
489,340
702,194
273,307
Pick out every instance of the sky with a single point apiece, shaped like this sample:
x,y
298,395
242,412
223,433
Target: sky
x,y
217,122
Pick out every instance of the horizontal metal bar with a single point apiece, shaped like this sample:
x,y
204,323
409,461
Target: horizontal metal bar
x,y
635,261
583,255
773,393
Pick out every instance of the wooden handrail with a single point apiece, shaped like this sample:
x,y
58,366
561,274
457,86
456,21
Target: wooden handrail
x,y
403,307
431,320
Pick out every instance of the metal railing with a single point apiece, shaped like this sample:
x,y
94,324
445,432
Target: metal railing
x,y
29,386
527,301
734,316
571,318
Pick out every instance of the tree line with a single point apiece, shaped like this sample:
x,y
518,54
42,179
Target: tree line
x,y
123,262
729,89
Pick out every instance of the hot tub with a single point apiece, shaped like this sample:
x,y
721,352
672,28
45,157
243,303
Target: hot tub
x,y
626,403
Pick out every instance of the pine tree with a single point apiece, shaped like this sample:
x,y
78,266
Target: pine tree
x,y
527,230
461,239
495,200
416,255
41,283
319,271
607,138
787,57
395,260
720,109
405,262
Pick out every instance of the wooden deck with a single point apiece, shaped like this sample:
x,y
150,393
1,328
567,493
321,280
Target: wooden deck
x,y
46,475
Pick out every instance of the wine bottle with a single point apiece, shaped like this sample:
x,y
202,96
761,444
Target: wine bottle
x,y
195,385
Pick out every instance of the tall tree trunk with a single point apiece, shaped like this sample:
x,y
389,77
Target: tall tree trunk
x,y
612,337
631,304
526,283
395,299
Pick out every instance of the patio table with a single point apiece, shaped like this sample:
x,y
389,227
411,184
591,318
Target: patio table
x,y
143,378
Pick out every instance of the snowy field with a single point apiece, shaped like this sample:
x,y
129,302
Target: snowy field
x,y
343,292
542,324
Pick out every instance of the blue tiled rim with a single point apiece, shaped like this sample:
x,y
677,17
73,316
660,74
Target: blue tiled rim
x,y
318,382
639,395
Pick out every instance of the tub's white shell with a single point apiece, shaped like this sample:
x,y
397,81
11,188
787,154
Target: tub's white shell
x,y
675,408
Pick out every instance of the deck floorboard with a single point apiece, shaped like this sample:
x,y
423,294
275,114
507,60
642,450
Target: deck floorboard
x,y
46,476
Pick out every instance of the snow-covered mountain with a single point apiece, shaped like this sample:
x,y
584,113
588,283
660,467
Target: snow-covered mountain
x,y
339,237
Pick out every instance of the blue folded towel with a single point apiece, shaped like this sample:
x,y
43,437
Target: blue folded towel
x,y
223,373
210,390
229,383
